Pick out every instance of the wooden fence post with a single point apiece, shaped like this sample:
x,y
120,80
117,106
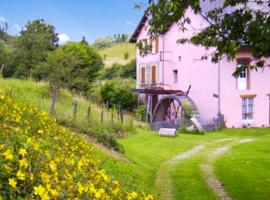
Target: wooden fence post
x,y
121,116
10,92
101,116
75,108
88,113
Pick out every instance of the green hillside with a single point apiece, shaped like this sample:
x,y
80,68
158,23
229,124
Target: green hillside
x,y
116,53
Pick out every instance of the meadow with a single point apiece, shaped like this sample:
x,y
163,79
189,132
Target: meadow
x,y
231,163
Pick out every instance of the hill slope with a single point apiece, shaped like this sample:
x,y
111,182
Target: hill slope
x,y
41,159
116,53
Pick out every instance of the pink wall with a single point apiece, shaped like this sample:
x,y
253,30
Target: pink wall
x,y
203,77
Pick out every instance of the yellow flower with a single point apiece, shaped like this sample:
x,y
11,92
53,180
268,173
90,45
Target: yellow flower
x,y
31,176
20,175
40,191
2,146
99,193
53,166
23,163
22,152
40,131
8,155
80,188
12,182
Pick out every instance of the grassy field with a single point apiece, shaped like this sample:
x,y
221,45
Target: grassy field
x,y
243,169
115,54
175,168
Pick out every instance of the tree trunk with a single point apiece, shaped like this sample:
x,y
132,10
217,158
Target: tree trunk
x,y
53,100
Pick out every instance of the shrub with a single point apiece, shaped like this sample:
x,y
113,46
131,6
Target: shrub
x,y
126,55
116,94
187,109
141,113
41,160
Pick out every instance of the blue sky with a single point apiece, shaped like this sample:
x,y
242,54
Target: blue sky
x,y
74,18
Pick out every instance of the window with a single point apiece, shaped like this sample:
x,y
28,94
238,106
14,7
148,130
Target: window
x,y
175,76
157,44
143,75
243,78
154,74
151,44
248,104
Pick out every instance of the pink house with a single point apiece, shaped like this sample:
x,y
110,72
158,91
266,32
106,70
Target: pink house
x,y
173,76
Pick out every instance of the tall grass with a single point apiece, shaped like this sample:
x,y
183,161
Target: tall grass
x,y
38,94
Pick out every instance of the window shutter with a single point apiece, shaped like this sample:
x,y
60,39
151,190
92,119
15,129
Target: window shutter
x,y
157,43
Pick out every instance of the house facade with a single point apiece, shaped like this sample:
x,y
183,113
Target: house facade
x,y
242,101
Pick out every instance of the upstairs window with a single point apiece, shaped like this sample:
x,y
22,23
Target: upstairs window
x,y
157,44
154,74
175,76
143,75
247,108
243,78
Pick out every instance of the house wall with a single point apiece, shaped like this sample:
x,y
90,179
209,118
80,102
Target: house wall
x,y
231,101
203,76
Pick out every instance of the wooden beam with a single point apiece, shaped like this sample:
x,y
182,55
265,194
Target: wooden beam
x,y
248,96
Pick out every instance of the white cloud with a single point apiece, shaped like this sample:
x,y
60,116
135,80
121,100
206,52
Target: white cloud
x,y
129,23
17,27
63,38
2,19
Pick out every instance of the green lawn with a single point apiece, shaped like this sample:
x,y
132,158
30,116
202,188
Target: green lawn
x,y
246,163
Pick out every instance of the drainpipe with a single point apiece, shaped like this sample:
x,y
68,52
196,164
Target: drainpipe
x,y
163,51
219,90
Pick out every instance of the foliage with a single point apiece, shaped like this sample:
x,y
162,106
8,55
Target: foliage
x,y
34,43
187,109
74,66
116,94
121,38
102,43
141,113
119,71
126,55
40,159
227,31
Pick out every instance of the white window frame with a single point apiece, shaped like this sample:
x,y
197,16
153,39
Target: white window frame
x,y
242,80
248,109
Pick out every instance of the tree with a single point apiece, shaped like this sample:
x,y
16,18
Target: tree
x,y
73,66
227,31
116,94
34,43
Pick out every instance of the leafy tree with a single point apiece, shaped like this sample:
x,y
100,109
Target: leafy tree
x,y
116,94
73,66
36,40
102,43
3,32
121,38
227,31
119,71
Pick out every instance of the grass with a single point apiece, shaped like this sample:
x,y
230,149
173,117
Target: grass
x,y
38,94
244,170
115,54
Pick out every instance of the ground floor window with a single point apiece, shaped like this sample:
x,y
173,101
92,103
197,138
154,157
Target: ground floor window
x,y
248,106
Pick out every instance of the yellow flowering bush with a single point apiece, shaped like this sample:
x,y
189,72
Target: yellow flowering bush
x,y
41,160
